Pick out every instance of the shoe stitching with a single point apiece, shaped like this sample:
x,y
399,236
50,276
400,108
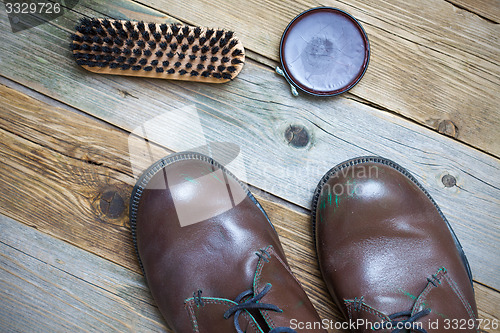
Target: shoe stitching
x,y
457,292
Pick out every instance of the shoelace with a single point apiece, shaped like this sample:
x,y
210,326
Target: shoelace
x,y
401,323
253,303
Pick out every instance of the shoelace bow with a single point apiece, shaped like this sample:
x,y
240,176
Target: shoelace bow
x,y
401,323
253,303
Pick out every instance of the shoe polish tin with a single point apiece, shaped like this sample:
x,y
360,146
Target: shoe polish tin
x,y
324,52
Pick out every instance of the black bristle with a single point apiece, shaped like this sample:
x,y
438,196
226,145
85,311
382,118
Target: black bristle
x,y
209,33
130,43
106,49
159,54
185,30
229,35
223,42
225,51
179,38
192,57
203,58
168,37
121,59
89,39
101,32
126,51
78,55
200,66
195,48
81,29
202,40
181,55
95,22
129,26
231,69
197,32
163,28
170,55
214,59
205,74
91,63
112,32
236,61
194,73
96,48
159,69
125,66
113,65
97,40
184,47
141,43
215,49
165,63
227,76
145,35
152,44
189,65
216,75
123,33
171,71
117,50
76,38
213,40
190,39
224,60
232,44
118,41
211,67
152,27
108,58
147,53
157,36
236,53
143,61
136,68
85,47
102,64
134,34
140,26
74,47
177,64
219,34
106,23
154,63
118,25
97,57
221,68
175,29
182,72
85,21
132,60
173,46
163,45
205,49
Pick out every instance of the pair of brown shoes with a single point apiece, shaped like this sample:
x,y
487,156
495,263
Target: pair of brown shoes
x,y
214,262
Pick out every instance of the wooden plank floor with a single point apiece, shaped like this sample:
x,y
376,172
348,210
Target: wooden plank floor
x,y
67,261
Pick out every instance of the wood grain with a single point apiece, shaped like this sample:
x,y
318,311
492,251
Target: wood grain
x,y
488,9
254,113
55,165
431,61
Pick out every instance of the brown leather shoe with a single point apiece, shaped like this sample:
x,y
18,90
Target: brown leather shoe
x,y
211,257
387,253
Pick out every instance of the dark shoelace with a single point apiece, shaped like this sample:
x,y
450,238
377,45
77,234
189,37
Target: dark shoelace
x,y
253,303
410,320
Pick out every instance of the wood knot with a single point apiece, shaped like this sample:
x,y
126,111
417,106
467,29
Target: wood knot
x,y
297,136
449,181
111,204
447,127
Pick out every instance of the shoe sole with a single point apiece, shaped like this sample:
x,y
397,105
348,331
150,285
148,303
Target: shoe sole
x,y
144,179
404,172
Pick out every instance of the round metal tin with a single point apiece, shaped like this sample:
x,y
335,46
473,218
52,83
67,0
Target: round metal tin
x,y
324,51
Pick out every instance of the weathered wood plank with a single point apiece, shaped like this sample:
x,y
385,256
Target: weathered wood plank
x,y
55,164
253,113
47,285
431,61
489,9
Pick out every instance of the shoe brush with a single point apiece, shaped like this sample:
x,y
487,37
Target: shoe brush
x,y
165,51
